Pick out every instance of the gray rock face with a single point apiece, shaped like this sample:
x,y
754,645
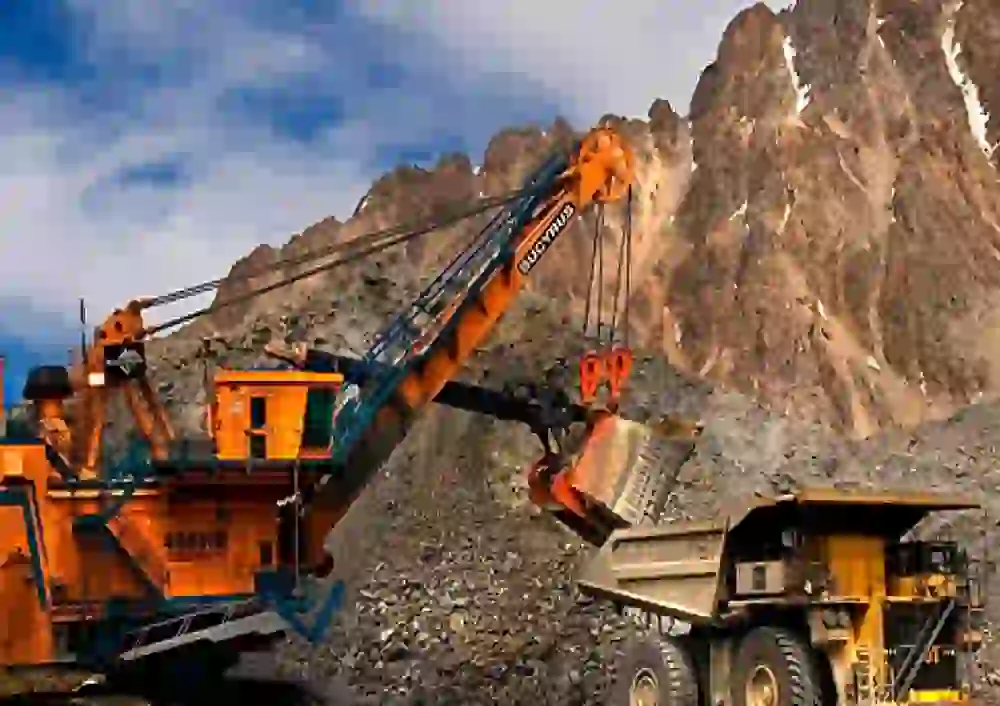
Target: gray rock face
x,y
815,259
820,232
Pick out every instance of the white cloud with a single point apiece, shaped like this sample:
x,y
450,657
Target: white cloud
x,y
70,227
596,56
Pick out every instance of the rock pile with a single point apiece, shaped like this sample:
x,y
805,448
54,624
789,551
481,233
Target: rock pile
x,y
819,234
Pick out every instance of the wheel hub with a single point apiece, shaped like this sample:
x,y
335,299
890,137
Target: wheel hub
x,y
645,689
762,688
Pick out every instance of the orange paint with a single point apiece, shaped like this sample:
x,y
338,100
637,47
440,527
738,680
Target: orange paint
x,y
591,375
278,399
618,365
600,171
200,532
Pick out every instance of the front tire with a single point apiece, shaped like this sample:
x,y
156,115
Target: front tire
x,y
774,667
656,671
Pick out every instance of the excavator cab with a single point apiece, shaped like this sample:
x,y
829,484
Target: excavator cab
x,y
268,414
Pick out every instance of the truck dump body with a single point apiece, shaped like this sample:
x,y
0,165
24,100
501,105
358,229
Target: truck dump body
x,y
676,568
672,570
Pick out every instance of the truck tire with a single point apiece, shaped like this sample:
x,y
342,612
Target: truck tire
x,y
774,667
656,671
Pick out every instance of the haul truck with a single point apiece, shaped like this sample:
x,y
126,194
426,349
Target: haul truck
x,y
808,599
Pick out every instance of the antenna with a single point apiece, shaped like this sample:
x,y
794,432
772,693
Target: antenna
x,y
3,398
83,331
206,380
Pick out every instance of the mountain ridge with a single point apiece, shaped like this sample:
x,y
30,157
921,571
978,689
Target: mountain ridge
x,y
783,230
816,273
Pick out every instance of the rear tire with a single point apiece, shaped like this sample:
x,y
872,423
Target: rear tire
x,y
774,667
656,671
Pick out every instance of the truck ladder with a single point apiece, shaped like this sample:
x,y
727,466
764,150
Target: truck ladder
x,y
920,650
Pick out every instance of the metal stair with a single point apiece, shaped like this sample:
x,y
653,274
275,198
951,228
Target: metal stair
x,y
920,649
244,621
141,550
132,472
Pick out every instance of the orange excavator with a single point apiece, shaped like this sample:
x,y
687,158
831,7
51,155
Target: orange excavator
x,y
599,471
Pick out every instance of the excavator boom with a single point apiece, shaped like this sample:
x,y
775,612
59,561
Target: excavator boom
x,y
425,347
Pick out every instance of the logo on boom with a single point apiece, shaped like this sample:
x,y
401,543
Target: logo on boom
x,y
557,226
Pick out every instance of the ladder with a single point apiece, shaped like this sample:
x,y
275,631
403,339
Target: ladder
x,y
141,551
921,649
863,675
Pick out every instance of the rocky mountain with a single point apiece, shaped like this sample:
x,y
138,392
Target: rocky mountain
x,y
820,232
816,259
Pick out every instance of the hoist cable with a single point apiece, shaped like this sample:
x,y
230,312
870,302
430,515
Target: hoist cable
x,y
628,262
600,272
619,281
345,259
590,282
421,227
348,253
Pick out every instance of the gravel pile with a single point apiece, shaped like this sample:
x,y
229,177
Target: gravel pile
x,y
466,593
463,599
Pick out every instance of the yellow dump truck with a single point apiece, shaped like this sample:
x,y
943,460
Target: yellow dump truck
x,y
810,599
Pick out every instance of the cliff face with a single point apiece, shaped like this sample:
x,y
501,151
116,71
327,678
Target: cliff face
x,y
842,222
821,232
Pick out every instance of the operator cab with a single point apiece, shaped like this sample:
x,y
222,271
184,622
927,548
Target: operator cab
x,y
260,415
907,559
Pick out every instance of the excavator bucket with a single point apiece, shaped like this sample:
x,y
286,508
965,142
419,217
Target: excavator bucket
x,y
628,468
618,475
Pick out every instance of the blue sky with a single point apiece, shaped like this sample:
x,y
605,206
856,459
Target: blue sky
x,y
147,144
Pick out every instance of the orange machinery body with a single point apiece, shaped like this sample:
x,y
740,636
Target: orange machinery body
x,y
262,414
200,529
211,528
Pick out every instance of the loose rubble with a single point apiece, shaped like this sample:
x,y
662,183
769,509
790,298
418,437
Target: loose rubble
x,y
466,601
851,209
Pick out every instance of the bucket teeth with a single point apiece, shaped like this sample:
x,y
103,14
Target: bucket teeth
x,y
649,481
630,468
